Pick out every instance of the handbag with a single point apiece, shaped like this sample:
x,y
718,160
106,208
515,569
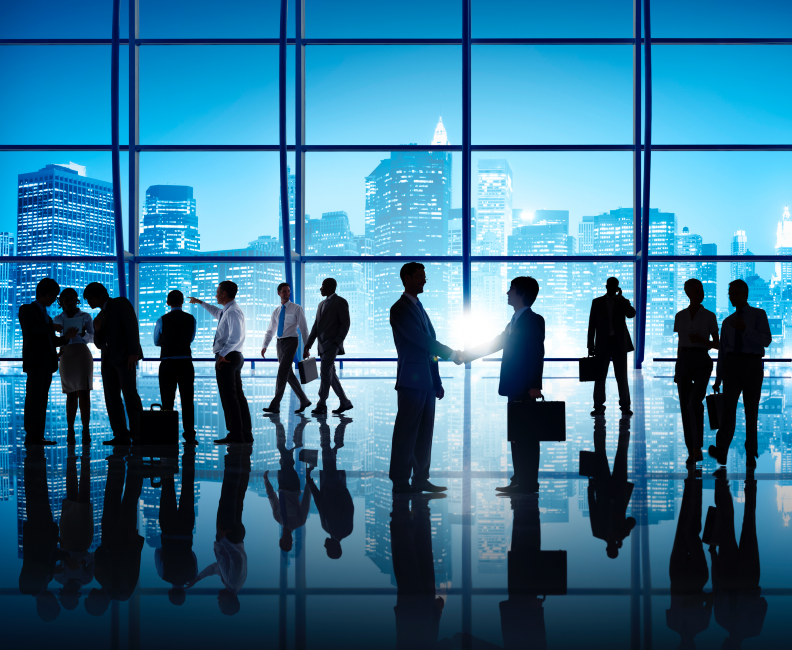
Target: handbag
x,y
587,368
307,370
158,427
715,410
535,420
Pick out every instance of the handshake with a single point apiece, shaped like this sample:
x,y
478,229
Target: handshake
x,y
460,357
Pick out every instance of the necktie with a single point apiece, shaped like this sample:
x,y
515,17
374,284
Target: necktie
x,y
281,320
423,317
738,339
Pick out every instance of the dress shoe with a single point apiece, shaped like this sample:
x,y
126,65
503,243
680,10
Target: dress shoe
x,y
626,411
598,411
426,486
717,454
342,408
229,440
40,441
403,489
117,441
190,442
320,410
71,438
515,488
270,409
303,407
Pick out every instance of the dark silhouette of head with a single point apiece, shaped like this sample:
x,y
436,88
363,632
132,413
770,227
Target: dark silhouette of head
x,y
97,602
738,293
175,298
694,291
95,294
226,292
333,548
613,548
612,286
526,287
47,291
413,277
177,596
47,606
68,298
329,286
228,602
286,542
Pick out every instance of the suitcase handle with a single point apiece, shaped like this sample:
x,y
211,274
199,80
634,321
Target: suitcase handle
x,y
151,408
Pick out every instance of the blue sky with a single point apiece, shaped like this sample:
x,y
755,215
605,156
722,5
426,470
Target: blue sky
x,y
391,94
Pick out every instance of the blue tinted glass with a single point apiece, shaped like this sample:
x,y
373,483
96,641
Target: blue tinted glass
x,y
208,19
54,19
726,19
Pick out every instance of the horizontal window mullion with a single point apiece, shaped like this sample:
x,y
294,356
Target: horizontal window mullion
x,y
373,259
552,258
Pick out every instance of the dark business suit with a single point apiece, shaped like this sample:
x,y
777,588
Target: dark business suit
x,y
417,383
609,347
119,338
330,328
39,361
522,365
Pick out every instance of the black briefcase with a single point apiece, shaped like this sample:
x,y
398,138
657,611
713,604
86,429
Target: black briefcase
x,y
307,370
309,456
543,573
588,463
535,420
587,369
158,427
715,410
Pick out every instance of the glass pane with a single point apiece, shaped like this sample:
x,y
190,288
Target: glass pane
x,y
566,290
208,19
705,94
209,94
552,94
188,202
391,110
404,203
61,94
572,19
362,19
56,19
552,203
703,19
371,289
736,201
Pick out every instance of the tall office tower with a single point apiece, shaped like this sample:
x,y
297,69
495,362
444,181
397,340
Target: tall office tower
x,y
739,246
784,247
661,287
494,210
7,284
408,198
548,234
586,236
709,278
61,211
169,228
440,135
687,244
291,187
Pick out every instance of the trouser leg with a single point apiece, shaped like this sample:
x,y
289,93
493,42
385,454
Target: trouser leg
x,y
326,372
167,383
227,387
603,361
684,390
732,387
525,461
111,383
620,371
696,408
422,455
187,395
753,375
36,398
134,406
405,432
244,408
335,384
286,349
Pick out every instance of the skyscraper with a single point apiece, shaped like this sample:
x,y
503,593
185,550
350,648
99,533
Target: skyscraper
x,y
7,285
687,244
61,211
739,246
661,296
709,278
494,210
784,247
586,236
290,183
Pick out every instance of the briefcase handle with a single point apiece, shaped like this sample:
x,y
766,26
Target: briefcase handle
x,y
151,408
525,401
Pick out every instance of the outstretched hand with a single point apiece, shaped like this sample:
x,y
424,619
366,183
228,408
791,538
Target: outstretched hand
x,y
536,393
460,358
195,301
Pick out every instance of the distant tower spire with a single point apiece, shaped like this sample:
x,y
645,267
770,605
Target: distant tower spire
x,y
786,213
440,135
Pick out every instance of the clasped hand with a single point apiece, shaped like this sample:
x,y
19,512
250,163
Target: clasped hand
x,y
738,324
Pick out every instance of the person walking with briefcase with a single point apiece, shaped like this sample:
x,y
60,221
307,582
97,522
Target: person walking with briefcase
x,y
522,365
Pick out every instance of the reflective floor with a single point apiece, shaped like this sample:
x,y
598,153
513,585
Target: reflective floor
x,y
116,549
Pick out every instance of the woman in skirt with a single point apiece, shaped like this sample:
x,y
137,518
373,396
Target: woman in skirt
x,y
76,364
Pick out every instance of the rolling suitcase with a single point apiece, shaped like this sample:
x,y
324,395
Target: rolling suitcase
x,y
158,427
543,420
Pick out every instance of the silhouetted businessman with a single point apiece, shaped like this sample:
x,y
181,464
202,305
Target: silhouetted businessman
x,y
609,493
229,546
117,335
417,610
609,340
330,328
39,359
333,501
697,328
522,343
691,608
175,559
744,336
174,333
418,385
740,608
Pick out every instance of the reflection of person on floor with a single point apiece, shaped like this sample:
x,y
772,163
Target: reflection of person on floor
x,y
229,546
334,502
691,608
118,557
740,608
76,530
175,560
417,609
287,508
40,550
522,615
609,494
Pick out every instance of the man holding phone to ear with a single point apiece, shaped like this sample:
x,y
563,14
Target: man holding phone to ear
x,y
609,340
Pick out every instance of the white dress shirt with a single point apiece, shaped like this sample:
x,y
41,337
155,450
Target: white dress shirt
x,y
230,335
88,327
703,323
756,336
293,321
414,301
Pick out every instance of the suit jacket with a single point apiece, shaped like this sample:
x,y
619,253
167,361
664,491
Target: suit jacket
x,y
523,355
119,336
331,324
599,325
417,349
39,351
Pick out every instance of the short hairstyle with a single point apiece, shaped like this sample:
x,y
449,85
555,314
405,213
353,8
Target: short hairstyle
x,y
331,283
527,287
230,288
615,280
67,293
739,285
283,284
285,544
695,284
95,289
176,298
47,286
409,269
